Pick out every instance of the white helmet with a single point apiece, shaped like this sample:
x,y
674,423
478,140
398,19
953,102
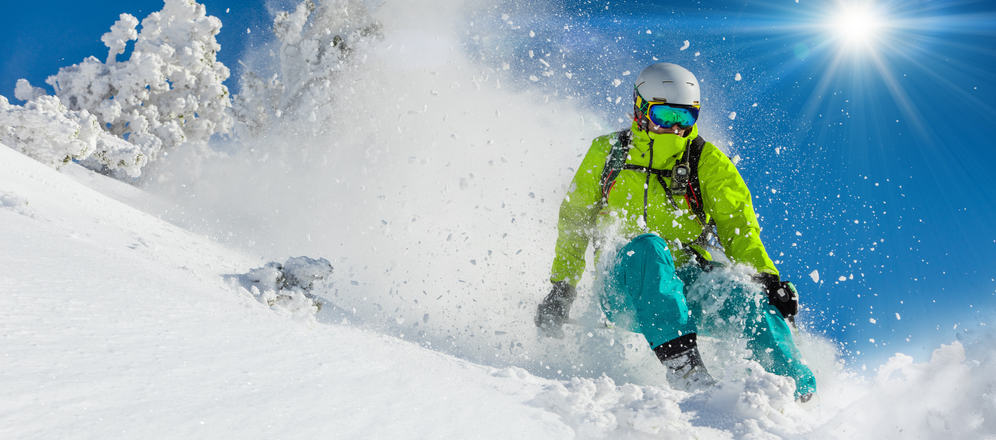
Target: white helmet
x,y
668,82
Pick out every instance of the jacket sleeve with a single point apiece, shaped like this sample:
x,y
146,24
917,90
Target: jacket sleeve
x,y
728,201
577,214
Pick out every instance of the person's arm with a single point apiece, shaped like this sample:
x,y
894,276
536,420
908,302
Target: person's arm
x,y
728,201
577,220
577,214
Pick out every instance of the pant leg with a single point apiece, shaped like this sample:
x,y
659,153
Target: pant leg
x,y
644,294
768,335
770,339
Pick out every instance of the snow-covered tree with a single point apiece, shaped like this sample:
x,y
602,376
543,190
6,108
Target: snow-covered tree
x,y
315,40
118,115
51,133
168,92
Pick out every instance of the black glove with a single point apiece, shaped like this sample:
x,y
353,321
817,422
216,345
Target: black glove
x,y
781,294
553,311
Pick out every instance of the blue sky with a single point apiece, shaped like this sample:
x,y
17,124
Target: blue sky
x,y
872,163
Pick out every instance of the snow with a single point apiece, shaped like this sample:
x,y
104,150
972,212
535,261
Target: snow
x,y
303,287
118,323
49,132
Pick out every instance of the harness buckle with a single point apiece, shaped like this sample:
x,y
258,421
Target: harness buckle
x,y
679,178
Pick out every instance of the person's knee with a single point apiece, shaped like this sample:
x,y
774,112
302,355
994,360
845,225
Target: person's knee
x,y
647,245
649,240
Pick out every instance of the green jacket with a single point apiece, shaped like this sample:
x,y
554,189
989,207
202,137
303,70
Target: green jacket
x,y
726,199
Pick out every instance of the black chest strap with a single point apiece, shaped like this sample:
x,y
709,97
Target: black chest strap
x,y
616,162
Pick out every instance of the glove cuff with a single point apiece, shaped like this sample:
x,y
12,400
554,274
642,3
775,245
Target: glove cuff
x,y
563,291
767,279
781,294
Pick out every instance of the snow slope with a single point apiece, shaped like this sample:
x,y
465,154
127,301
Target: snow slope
x,y
116,324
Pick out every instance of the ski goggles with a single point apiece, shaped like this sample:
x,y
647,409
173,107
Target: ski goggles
x,y
666,115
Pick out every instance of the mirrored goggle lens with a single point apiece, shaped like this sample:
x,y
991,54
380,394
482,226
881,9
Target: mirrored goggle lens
x,y
665,115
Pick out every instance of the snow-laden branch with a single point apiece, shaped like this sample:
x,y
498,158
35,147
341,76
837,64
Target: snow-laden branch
x,y
118,37
52,134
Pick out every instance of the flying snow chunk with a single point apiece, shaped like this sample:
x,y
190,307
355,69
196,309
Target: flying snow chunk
x,y
898,317
815,276
737,77
616,82
732,115
685,46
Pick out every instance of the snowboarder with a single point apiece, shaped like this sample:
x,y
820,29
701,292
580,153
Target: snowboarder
x,y
667,194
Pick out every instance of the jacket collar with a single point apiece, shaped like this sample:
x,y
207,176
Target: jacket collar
x,y
665,145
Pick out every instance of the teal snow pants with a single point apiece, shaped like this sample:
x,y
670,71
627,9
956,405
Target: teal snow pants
x,y
645,293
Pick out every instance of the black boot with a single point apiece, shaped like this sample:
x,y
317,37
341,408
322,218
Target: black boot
x,y
685,369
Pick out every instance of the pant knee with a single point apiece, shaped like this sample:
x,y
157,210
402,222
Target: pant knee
x,y
647,248
647,242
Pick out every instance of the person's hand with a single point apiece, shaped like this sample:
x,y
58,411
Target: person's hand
x,y
781,294
553,311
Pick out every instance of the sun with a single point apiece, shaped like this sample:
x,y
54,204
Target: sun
x,y
857,25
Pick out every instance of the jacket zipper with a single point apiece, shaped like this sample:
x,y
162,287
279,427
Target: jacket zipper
x,y
646,188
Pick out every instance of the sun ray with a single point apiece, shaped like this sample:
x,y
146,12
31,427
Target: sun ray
x,y
899,95
816,97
